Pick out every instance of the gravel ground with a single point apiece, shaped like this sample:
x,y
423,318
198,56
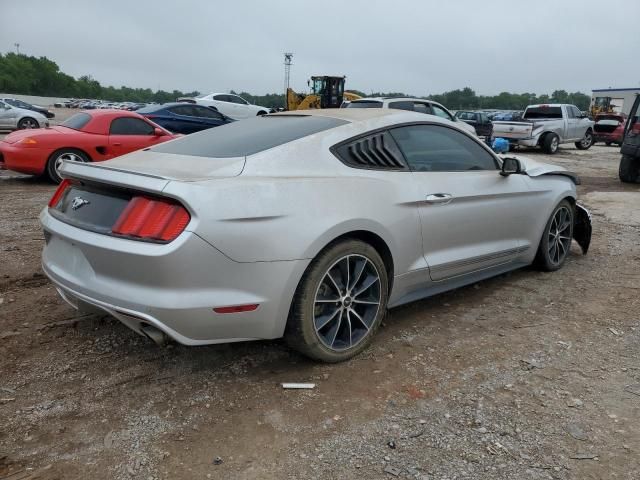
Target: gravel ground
x,y
527,375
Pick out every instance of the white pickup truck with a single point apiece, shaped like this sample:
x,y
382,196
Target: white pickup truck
x,y
548,126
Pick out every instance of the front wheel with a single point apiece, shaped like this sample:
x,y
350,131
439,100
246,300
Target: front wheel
x,y
28,123
629,170
339,303
54,163
586,141
556,239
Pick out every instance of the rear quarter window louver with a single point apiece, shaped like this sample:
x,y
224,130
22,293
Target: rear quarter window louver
x,y
377,151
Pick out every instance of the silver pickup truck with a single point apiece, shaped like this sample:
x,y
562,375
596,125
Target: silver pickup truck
x,y
548,126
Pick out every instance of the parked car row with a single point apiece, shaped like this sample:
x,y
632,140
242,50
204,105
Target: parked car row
x,y
85,104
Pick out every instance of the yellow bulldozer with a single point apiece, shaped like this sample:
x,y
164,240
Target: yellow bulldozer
x,y
326,92
601,105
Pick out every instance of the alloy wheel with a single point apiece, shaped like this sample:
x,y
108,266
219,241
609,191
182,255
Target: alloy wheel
x,y
554,144
346,302
559,236
65,156
29,124
587,140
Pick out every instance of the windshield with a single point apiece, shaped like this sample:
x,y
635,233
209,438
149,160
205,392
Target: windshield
x,y
542,112
318,86
239,139
365,104
77,122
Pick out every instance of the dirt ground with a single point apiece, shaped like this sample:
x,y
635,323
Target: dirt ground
x,y
526,376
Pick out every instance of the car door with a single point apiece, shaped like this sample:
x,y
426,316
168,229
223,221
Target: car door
x,y
224,105
208,117
185,118
572,123
7,119
127,134
472,218
241,106
582,122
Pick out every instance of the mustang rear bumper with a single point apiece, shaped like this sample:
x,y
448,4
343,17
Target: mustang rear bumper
x,y
172,287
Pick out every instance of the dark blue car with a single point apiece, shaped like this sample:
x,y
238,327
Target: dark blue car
x,y
184,117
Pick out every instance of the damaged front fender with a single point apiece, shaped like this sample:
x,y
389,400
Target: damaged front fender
x,y
582,228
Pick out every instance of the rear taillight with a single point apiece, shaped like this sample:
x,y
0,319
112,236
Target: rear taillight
x,y
59,192
152,219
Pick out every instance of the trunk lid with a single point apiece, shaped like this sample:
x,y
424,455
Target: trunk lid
x,y
155,169
95,195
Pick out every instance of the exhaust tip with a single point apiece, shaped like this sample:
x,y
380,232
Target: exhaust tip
x,y
157,336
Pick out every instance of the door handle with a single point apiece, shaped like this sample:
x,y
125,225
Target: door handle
x,y
117,144
439,198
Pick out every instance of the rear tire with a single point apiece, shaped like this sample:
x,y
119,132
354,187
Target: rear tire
x,y
56,158
586,142
608,144
339,303
551,143
28,123
556,238
629,170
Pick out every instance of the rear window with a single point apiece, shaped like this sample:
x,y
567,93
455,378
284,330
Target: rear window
x,y
543,112
367,104
77,122
247,137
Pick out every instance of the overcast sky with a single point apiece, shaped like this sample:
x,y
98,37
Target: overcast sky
x,y
418,47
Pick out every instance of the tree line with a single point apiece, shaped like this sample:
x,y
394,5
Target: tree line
x,y
28,75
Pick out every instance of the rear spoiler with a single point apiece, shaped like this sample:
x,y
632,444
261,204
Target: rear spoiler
x,y
93,172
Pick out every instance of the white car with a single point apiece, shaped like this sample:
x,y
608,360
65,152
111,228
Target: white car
x,y
13,118
419,105
231,105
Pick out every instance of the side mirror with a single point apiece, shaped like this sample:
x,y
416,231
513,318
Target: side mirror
x,y
510,166
158,132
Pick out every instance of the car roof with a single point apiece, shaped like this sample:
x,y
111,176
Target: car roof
x,y
107,112
358,115
538,105
388,99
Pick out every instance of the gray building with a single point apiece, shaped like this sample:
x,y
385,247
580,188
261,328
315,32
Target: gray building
x,y
620,99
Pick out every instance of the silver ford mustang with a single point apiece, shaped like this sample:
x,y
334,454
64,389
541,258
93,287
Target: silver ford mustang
x,y
303,225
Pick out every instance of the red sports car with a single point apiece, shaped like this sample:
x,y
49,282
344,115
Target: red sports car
x,y
609,128
86,137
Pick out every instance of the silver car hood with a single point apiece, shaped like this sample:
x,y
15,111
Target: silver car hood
x,y
533,168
